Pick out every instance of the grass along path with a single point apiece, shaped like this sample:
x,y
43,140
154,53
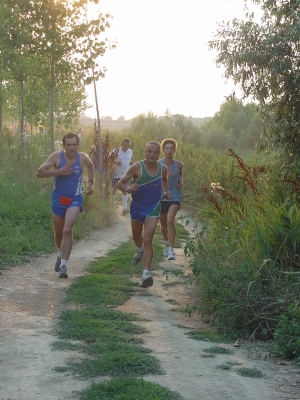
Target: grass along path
x,y
147,327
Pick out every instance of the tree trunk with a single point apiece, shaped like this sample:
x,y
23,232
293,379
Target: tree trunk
x,y
52,104
22,113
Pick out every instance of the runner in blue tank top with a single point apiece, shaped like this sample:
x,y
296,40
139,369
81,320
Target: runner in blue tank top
x,y
148,179
67,168
169,207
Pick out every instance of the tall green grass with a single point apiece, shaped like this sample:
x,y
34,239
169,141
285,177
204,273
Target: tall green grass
x,y
246,258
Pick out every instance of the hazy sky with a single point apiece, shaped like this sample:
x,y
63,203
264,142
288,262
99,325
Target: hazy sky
x,y
161,61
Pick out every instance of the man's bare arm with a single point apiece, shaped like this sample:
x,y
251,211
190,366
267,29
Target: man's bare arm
x,y
180,168
165,183
49,168
133,172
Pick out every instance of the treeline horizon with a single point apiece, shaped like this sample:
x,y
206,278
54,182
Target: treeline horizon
x,y
235,125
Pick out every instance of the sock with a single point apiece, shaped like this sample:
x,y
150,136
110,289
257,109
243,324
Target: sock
x,y
58,253
170,248
124,199
145,272
64,262
140,249
167,243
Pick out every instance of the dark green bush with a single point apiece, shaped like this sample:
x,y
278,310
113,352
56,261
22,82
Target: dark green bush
x,y
287,334
245,259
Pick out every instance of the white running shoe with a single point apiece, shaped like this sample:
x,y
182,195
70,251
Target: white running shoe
x,y
63,272
165,250
137,258
171,254
146,280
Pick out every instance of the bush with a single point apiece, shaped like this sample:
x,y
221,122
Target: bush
x,y
246,258
287,334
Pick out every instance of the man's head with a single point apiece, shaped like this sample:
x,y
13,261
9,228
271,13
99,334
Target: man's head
x,y
70,143
169,141
168,147
125,144
152,151
70,135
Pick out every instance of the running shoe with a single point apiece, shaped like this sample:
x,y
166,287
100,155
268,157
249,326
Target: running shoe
x,y
166,250
63,273
146,280
171,255
137,258
125,211
57,264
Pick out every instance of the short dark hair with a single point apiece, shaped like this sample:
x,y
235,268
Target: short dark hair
x,y
70,135
168,141
126,141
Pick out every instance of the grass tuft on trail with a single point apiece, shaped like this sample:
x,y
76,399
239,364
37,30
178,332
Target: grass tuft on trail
x,y
100,289
206,336
128,388
119,261
95,325
218,350
250,372
117,363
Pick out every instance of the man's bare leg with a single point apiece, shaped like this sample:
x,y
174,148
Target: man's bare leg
x,y
58,224
67,241
63,236
164,225
149,230
171,228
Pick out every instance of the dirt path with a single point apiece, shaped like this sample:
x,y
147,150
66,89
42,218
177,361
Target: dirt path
x,y
31,298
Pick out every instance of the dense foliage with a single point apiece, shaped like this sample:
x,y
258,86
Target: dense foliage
x,y
235,125
47,45
248,279
263,59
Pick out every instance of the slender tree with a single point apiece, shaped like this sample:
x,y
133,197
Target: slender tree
x,y
51,42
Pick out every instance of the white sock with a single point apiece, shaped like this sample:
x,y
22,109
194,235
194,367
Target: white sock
x,y
170,248
58,253
64,262
124,199
145,272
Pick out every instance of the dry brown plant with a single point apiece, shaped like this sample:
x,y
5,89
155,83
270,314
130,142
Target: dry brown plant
x,y
294,182
107,166
211,199
224,193
249,173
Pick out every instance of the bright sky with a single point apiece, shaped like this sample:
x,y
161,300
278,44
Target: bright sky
x,y
161,61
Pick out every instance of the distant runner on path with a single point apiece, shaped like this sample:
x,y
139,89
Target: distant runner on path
x,y
121,157
170,207
148,177
66,167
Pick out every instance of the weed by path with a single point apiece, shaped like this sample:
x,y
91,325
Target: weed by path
x,y
125,388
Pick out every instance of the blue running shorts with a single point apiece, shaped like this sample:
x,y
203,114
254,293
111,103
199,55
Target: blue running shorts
x,y
141,212
60,209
